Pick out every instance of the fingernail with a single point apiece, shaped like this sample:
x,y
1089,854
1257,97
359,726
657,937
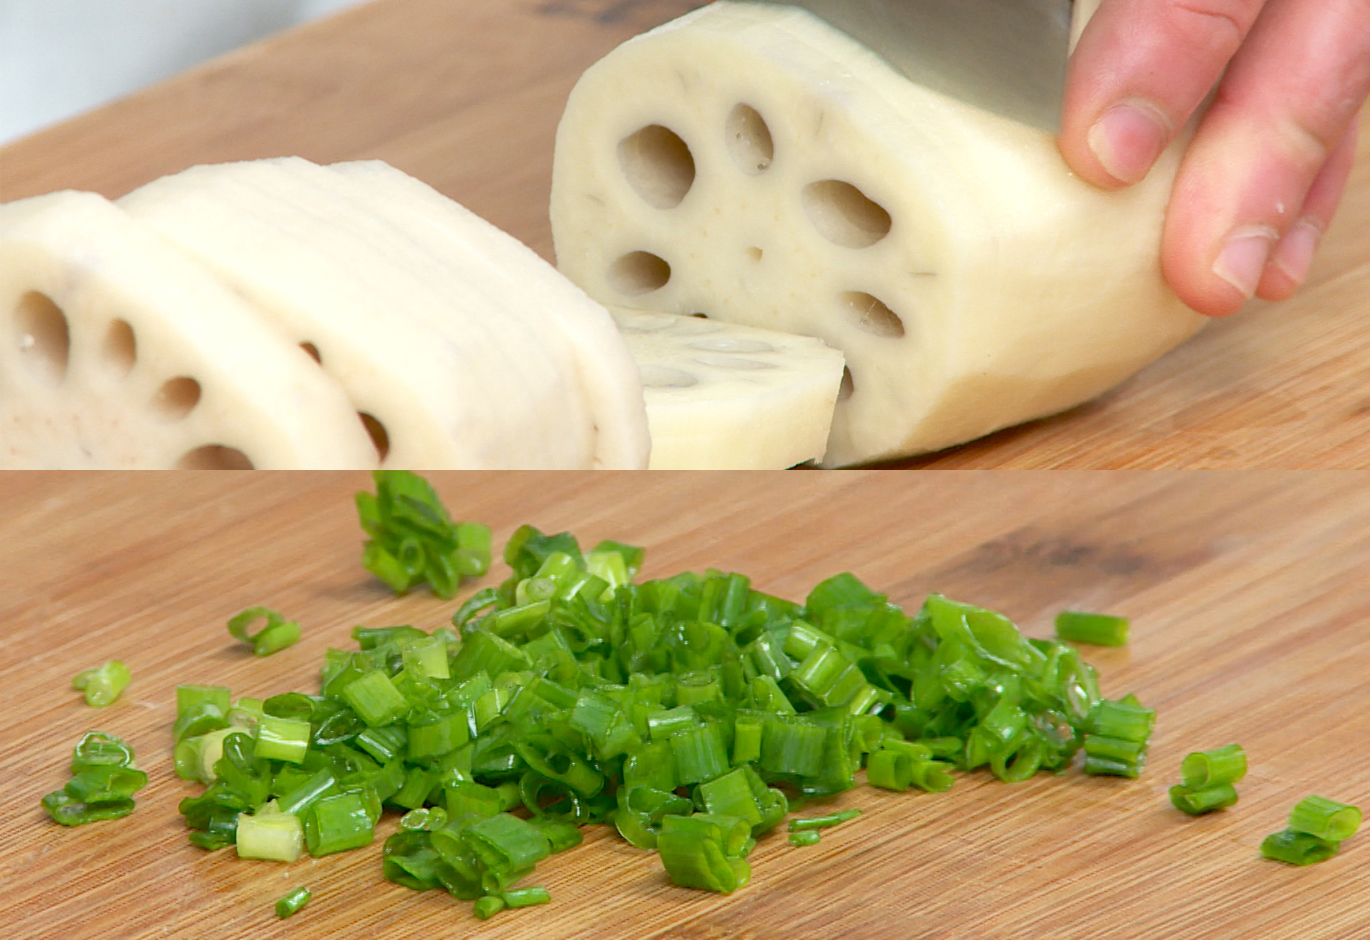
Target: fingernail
x,y
1128,139
1243,257
1294,254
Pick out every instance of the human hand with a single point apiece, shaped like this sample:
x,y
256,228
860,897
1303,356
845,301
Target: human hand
x,y
1262,177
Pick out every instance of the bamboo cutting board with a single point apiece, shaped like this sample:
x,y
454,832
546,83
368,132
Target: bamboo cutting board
x,y
1246,591
466,96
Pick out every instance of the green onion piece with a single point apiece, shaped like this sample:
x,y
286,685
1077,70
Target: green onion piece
x,y
105,782
98,749
103,684
823,822
277,837
1096,629
805,837
489,906
102,784
272,638
292,902
1324,818
337,823
284,739
699,754
189,696
1196,802
245,713
1210,768
428,656
1297,848
561,834
413,539
431,817
526,897
375,699
507,843
1121,719
304,795
704,851
71,812
1111,767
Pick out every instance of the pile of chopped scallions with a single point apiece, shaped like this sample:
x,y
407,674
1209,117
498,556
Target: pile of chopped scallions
x,y
692,713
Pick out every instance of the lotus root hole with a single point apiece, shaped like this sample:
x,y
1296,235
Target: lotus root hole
x,y
847,387
870,314
843,215
43,336
120,348
176,398
380,437
214,457
749,140
658,165
654,376
639,272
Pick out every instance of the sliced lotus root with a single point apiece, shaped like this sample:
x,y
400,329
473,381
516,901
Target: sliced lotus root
x,y
726,397
448,371
459,246
753,162
117,350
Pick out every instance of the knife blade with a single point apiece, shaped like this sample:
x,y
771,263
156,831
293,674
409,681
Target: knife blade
x,y
1005,56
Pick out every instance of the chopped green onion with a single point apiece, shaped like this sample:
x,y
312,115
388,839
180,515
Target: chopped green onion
x,y
703,851
1324,818
805,837
272,638
102,685
1209,768
292,902
375,699
284,739
102,784
277,837
1297,848
337,823
1096,629
824,822
489,906
526,897
1202,800
675,709
413,539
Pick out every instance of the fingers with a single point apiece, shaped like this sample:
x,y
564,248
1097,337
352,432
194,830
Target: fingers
x,y
1293,254
1139,71
1261,178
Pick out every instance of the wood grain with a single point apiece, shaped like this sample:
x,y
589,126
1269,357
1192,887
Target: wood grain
x,y
467,96
1249,607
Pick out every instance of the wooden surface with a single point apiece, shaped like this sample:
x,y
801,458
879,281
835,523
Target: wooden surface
x,y
1246,591
466,95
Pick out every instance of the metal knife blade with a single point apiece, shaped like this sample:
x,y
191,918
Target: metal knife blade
x,y
1006,56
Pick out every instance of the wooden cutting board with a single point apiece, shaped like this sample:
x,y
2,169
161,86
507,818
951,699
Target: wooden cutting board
x,y
1248,601
466,95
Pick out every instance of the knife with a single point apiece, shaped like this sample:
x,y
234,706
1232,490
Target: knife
x,y
1005,56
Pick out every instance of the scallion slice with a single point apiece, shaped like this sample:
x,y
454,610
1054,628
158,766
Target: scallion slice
x,y
1201,769
103,684
292,902
1096,629
1197,801
1297,848
272,638
1324,818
